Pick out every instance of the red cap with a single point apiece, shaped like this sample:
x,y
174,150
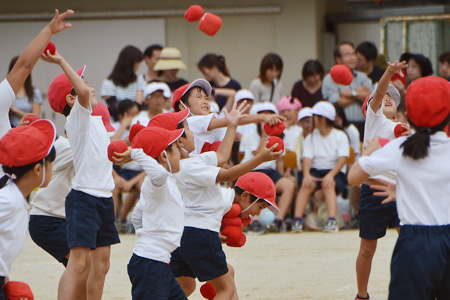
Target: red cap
x,y
154,140
31,118
364,106
428,101
273,140
276,129
179,92
134,130
102,110
59,89
51,47
210,24
170,120
341,74
17,290
261,186
118,146
24,145
208,291
194,13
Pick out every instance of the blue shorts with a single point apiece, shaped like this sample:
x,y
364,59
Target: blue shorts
x,y
151,279
2,283
273,174
200,255
374,217
128,174
340,179
90,221
420,265
50,233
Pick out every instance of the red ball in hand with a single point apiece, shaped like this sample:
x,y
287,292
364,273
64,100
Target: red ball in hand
x,y
206,147
31,118
276,129
246,221
194,13
210,24
273,140
16,290
208,291
399,130
118,146
233,233
235,211
239,243
215,146
236,221
341,74
51,47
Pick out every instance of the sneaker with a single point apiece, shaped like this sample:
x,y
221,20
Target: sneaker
x,y
256,228
359,297
331,226
277,226
122,227
354,222
297,226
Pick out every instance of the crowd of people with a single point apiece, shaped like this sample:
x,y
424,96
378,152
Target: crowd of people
x,y
196,147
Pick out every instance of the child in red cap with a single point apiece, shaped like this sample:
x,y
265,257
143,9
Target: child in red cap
x,y
420,262
89,206
26,153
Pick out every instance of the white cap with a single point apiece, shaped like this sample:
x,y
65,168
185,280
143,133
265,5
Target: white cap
x,y
262,106
243,94
157,86
325,109
305,112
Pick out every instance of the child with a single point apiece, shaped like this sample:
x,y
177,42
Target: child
x,y
420,262
156,94
305,119
127,110
325,153
89,205
268,87
289,107
26,154
374,216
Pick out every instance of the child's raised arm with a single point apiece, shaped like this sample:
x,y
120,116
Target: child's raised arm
x,y
248,119
32,52
383,84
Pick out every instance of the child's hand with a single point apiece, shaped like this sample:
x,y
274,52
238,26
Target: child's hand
x,y
54,59
309,181
126,121
122,158
236,113
273,119
268,154
387,190
57,23
223,238
372,146
397,67
407,131
327,181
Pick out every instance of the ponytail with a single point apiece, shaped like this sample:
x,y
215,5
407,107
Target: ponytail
x,y
210,60
416,146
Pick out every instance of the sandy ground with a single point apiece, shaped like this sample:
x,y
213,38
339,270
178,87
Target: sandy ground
x,y
309,265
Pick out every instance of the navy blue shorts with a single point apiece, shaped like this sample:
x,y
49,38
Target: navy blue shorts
x,y
374,217
420,265
200,255
50,233
90,221
340,179
151,279
273,174
128,174
2,283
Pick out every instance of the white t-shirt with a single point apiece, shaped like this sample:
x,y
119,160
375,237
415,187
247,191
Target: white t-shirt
x,y
122,93
378,125
245,129
353,136
249,144
13,225
162,211
51,200
199,127
325,151
89,142
291,135
205,201
423,187
7,97
142,117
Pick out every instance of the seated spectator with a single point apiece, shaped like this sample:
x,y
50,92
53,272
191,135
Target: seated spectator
x,y
309,89
289,108
366,54
444,65
168,65
267,87
151,56
418,66
156,96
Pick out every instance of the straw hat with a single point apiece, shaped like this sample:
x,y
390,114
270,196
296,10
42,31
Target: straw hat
x,y
170,59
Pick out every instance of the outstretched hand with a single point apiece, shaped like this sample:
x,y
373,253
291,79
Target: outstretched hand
x,y
57,23
52,58
236,113
122,158
268,154
397,67
273,119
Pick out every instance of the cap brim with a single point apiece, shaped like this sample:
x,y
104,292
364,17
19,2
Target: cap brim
x,y
174,135
183,114
109,128
272,207
201,83
48,129
82,71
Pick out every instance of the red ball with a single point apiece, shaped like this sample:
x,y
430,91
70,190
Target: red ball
x,y
246,221
239,243
341,74
383,141
118,146
134,130
236,221
51,47
16,290
194,13
31,118
210,24
273,140
215,146
276,129
208,291
399,130
233,233
235,211
206,147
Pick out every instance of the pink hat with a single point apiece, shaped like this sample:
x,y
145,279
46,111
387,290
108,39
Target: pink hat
x,y
179,92
154,140
288,102
169,120
24,145
16,290
261,186
101,110
59,89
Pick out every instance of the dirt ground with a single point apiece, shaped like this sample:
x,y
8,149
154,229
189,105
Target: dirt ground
x,y
309,265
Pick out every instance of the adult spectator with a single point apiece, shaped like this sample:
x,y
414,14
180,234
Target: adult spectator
x,y
352,96
309,89
151,56
168,65
268,87
418,66
444,65
366,55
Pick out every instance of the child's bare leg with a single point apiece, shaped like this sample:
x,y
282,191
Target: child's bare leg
x,y
72,279
286,188
187,284
224,285
81,293
116,198
231,269
127,205
99,269
302,201
364,264
330,200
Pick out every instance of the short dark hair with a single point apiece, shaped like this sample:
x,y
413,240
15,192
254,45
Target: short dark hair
x,y
445,57
368,50
239,191
337,49
210,60
149,50
125,105
269,61
426,68
311,67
